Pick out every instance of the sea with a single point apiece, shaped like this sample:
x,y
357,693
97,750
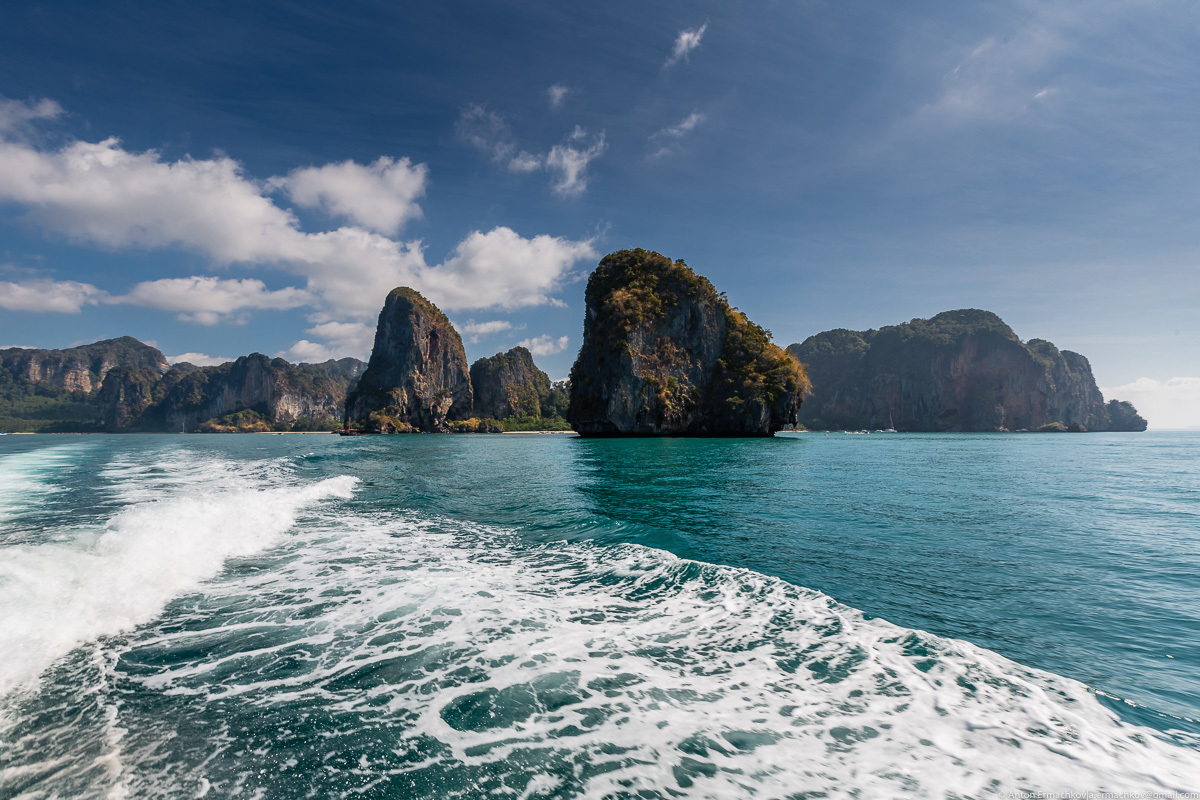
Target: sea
x,y
544,616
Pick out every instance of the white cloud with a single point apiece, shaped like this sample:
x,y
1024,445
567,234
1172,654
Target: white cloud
x,y
102,194
342,340
668,138
571,159
15,115
199,359
381,197
526,162
687,41
544,345
486,131
482,330
557,93
43,294
1173,403
207,300
502,269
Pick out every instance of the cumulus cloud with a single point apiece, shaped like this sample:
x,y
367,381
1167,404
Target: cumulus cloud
x,y
103,194
342,340
571,158
43,294
504,270
545,345
482,330
1173,403
557,93
199,359
381,196
687,41
207,300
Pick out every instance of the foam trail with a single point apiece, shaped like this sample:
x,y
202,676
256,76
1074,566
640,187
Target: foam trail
x,y
452,660
28,478
55,597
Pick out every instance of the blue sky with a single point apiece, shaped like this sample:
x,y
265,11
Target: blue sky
x,y
221,178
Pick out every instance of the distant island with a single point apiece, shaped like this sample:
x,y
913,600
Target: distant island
x,y
663,354
962,370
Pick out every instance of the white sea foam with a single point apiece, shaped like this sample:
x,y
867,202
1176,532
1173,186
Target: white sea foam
x,y
629,670
26,479
56,596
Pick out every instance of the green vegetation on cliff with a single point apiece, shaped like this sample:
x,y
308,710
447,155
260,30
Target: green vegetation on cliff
x,y
665,354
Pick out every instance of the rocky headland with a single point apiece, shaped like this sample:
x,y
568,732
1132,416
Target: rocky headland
x,y
664,354
125,385
962,370
417,378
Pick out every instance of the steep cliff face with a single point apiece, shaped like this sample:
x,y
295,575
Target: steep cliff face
x,y
417,377
665,355
58,390
81,369
958,371
509,384
278,392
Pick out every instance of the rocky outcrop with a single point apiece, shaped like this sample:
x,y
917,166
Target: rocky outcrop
x,y
1123,416
665,355
59,390
958,371
509,385
80,369
417,378
279,393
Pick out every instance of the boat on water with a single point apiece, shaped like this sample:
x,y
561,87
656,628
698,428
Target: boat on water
x,y
352,432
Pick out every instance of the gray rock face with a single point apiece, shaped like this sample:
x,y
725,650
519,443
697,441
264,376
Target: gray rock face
x,y
664,355
417,378
81,369
508,384
188,395
958,371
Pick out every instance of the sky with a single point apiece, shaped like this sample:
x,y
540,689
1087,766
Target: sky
x,y
225,177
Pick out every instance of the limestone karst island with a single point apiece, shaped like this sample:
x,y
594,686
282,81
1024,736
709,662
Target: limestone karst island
x,y
663,354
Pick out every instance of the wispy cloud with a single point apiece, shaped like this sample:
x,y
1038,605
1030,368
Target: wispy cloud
x,y
666,141
687,41
571,158
557,93
488,132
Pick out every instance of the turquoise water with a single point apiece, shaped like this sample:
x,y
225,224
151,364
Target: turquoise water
x,y
544,616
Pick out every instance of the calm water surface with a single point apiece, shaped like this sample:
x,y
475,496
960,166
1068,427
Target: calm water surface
x,y
545,616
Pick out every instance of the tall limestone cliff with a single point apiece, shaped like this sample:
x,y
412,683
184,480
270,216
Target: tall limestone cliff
x,y
958,371
191,398
509,385
417,378
665,355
